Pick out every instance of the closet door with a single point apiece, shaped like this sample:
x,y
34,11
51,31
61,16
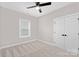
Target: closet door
x,y
71,30
59,32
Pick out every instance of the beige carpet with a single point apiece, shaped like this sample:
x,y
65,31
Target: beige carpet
x,y
34,49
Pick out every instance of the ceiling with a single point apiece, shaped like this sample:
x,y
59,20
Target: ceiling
x,y
21,7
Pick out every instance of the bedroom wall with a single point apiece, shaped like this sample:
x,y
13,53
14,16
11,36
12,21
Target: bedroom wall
x,y
0,25
9,27
46,22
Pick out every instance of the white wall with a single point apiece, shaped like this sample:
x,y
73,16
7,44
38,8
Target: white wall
x,y
46,29
9,27
0,25
46,21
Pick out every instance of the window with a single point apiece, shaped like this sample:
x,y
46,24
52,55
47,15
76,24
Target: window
x,y
24,28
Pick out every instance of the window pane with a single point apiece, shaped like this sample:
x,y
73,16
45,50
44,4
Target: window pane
x,y
24,27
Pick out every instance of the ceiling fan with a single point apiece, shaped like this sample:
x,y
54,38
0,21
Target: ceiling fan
x,y
38,5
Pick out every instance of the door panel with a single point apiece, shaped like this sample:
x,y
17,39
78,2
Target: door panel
x,y
71,29
67,25
58,31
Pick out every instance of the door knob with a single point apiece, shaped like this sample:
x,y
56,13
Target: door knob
x,y
64,35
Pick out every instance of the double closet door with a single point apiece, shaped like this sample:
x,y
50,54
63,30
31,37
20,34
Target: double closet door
x,y
66,30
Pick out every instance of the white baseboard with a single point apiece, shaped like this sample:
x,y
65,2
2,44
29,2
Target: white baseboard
x,y
19,43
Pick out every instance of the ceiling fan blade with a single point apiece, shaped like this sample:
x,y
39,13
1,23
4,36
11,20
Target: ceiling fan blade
x,y
45,4
31,7
40,10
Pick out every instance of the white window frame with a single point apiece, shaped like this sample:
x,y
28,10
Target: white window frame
x,y
29,28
